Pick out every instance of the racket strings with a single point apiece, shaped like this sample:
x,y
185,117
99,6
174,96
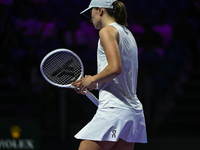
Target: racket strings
x,y
62,68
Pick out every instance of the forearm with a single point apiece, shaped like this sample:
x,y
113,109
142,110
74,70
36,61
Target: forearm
x,y
107,74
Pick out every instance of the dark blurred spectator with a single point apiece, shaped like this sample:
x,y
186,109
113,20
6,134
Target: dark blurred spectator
x,y
86,35
29,69
25,22
163,28
185,32
68,35
136,26
46,26
8,36
152,41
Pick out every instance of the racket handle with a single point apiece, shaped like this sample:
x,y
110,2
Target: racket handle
x,y
92,98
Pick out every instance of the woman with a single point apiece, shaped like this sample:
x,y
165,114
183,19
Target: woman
x,y
119,121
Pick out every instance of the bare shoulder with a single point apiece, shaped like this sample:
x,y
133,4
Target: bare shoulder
x,y
108,30
109,33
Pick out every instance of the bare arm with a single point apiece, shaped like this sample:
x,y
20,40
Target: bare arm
x,y
109,41
109,38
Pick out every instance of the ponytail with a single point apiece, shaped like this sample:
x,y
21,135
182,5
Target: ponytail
x,y
118,12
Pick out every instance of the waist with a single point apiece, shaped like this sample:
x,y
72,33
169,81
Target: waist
x,y
108,99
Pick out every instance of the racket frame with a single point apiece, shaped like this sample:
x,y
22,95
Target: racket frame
x,y
56,51
88,93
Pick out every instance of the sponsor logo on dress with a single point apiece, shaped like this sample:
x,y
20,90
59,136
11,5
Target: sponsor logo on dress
x,y
113,133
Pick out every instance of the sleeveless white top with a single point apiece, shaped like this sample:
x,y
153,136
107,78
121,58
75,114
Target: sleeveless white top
x,y
113,119
120,92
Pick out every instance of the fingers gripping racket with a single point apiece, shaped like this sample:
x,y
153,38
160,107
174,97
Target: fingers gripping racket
x,y
61,67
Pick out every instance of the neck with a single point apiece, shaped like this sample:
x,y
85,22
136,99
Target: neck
x,y
107,21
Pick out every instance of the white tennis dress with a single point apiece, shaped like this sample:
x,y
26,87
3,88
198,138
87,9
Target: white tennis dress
x,y
120,113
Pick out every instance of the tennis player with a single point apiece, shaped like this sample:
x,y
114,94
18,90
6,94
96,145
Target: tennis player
x,y
119,121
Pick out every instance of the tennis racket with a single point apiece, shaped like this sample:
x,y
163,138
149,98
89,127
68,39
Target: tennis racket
x,y
61,67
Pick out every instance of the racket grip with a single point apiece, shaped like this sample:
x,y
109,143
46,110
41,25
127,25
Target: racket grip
x,y
92,98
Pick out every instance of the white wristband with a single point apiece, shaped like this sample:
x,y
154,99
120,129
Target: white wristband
x,y
96,87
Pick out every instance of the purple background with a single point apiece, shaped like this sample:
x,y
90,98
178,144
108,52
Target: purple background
x,y
168,37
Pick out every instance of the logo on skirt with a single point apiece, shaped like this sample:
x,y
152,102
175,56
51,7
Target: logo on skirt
x,y
113,133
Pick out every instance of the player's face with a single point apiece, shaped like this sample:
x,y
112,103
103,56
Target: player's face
x,y
96,18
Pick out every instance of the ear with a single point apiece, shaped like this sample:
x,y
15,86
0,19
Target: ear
x,y
100,10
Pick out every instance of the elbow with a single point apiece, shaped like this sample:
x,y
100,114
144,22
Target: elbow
x,y
117,71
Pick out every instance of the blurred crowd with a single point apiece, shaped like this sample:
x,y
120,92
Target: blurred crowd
x,y
167,33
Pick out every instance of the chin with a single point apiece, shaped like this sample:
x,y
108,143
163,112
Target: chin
x,y
97,27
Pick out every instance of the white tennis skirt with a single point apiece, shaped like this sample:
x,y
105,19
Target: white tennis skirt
x,y
110,124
